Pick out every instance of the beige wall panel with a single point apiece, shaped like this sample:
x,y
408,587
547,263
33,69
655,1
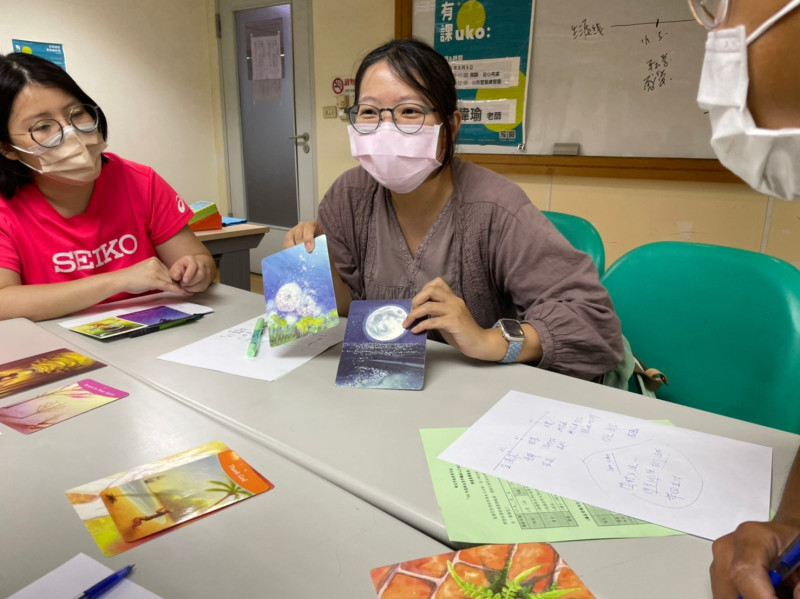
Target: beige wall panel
x,y
783,240
537,187
147,63
215,76
344,32
630,213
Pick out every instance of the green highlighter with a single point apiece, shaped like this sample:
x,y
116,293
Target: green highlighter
x,y
255,340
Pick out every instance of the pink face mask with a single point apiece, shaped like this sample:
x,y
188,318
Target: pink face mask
x,y
398,161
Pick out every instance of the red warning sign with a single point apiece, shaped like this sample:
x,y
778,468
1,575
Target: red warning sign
x,y
338,86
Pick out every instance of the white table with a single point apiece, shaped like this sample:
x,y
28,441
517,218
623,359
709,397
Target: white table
x,y
367,441
302,536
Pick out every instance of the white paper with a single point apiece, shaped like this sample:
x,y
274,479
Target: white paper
x,y
694,482
486,73
133,305
266,57
72,578
227,352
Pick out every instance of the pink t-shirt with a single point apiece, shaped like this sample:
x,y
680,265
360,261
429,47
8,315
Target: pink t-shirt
x,y
132,210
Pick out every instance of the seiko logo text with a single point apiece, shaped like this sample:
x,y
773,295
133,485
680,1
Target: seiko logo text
x,y
86,260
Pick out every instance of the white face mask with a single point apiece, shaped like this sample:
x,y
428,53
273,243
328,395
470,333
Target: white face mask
x,y
766,159
399,161
76,160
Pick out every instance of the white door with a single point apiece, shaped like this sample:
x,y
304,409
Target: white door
x,y
265,49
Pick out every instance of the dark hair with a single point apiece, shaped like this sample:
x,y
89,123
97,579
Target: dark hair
x,y
427,72
16,71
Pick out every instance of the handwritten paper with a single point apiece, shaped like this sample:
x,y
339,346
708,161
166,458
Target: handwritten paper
x,y
694,482
478,508
227,352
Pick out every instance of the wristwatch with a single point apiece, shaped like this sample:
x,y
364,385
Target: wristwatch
x,y
515,335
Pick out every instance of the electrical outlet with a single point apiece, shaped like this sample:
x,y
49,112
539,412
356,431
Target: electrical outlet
x,y
329,112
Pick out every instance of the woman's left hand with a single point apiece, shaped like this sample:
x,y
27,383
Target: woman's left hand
x,y
191,273
436,307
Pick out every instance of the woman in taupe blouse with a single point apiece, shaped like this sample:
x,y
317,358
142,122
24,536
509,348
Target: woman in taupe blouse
x,y
487,271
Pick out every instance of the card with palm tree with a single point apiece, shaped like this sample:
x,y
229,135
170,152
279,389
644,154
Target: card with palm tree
x,y
129,507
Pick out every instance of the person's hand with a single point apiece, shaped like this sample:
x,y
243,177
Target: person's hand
x,y
742,559
437,307
303,232
190,274
147,275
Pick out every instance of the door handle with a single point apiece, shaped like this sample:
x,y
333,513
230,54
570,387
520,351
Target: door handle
x,y
304,138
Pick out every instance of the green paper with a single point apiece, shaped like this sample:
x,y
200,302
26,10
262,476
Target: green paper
x,y
478,508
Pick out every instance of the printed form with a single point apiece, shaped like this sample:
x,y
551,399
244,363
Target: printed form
x,y
479,508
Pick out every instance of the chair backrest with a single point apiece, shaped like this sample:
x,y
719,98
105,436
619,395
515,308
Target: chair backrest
x,y
581,234
722,323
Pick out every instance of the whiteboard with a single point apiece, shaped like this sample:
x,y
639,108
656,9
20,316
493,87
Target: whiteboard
x,y
618,77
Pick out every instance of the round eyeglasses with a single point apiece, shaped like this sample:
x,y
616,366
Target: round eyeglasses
x,y
709,13
49,133
408,118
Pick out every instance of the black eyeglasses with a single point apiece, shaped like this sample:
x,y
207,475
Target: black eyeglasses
x,y
408,118
49,133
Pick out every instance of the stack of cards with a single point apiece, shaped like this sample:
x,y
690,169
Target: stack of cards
x,y
55,405
378,352
135,323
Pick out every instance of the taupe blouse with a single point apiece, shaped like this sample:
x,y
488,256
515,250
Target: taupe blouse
x,y
496,251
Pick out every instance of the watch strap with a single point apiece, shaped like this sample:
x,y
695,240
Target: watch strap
x,y
514,348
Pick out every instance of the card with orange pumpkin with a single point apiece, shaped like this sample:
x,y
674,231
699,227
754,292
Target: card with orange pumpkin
x,y
520,570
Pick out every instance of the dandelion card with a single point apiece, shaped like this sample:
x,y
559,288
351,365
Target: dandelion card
x,y
532,570
298,289
129,508
58,405
377,352
41,369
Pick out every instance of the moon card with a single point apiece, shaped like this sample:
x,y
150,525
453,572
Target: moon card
x,y
378,353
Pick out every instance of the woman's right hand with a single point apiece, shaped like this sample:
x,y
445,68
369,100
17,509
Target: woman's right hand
x,y
303,232
743,557
147,275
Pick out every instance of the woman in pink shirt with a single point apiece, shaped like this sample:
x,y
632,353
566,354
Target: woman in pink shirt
x,y
79,226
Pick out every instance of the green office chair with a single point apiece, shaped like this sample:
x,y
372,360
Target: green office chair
x,y
723,324
581,234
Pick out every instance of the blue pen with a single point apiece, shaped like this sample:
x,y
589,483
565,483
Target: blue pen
x,y
255,340
785,564
107,584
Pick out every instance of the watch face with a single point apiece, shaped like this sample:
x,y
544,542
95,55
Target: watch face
x,y
512,328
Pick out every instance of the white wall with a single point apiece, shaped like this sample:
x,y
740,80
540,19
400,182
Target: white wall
x,y
344,32
150,65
